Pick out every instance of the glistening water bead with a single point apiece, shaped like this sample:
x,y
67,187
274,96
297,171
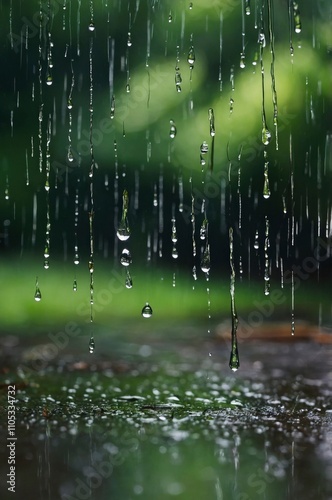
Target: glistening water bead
x,y
147,311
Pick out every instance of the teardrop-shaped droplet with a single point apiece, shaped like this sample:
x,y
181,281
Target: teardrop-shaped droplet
x,y
75,286
91,26
37,295
234,362
49,80
203,229
46,264
266,136
76,259
91,345
191,57
129,42
175,253
123,232
205,263
125,258
211,121
147,311
266,188
242,61
129,281
69,104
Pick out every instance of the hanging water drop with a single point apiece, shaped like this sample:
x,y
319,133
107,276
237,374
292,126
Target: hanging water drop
x,y
147,311
205,262
37,292
174,234
211,122
75,286
297,18
234,361
203,229
266,187
91,345
125,258
191,57
123,232
266,136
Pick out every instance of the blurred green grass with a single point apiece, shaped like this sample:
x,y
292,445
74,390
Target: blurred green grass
x,y
115,305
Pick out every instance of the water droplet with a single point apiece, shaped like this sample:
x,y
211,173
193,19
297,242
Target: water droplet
x,y
91,265
266,136
203,229
91,345
129,281
174,235
37,292
49,80
256,242
175,253
123,232
234,362
191,57
172,130
211,121
147,311
112,107
242,61
170,18
70,156
69,104
266,188
205,263
75,286
129,42
297,18
125,259
46,264
204,148
76,259
91,27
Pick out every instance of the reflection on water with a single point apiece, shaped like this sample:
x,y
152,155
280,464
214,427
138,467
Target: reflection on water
x,y
155,427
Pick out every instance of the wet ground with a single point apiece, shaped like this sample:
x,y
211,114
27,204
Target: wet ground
x,y
164,417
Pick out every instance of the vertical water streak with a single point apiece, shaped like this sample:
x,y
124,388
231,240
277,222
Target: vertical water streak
x,y
178,78
47,189
220,50
243,33
273,82
234,361
91,175
266,258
